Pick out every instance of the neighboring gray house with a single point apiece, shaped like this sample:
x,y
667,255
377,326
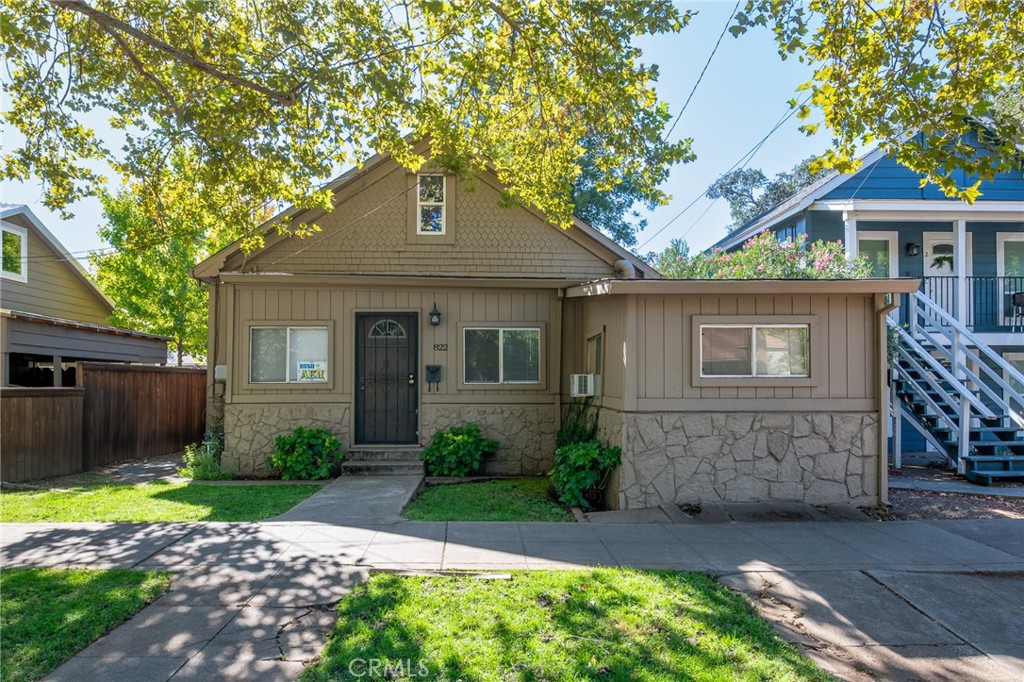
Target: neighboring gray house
x,y
52,314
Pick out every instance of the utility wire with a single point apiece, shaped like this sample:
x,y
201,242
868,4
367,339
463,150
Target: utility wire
x,y
746,158
721,35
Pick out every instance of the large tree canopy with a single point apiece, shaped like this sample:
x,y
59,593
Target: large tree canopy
x,y
887,70
146,269
750,192
275,96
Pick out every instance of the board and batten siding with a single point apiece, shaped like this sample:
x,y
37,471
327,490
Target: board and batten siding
x,y
842,347
337,306
584,317
368,233
53,289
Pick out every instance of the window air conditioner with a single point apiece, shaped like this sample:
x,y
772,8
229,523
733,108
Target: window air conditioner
x,y
581,385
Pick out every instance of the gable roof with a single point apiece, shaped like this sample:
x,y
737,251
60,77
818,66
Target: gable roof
x,y
10,210
212,265
800,201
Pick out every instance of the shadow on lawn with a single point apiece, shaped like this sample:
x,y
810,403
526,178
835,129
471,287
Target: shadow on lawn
x,y
603,625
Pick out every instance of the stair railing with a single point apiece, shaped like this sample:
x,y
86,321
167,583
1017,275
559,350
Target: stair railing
x,y
932,373
969,356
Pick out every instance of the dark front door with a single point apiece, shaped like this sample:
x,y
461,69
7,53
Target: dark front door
x,y
386,378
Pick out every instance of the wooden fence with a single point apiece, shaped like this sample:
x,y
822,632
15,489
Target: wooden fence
x,y
117,413
40,432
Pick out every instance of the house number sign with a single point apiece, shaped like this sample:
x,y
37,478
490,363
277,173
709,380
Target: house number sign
x,y
443,347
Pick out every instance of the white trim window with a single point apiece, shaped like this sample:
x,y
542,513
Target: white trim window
x,y
882,251
280,355
501,355
755,350
1010,270
430,208
15,253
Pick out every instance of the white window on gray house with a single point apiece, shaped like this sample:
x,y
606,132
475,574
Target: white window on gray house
x,y
502,355
754,351
288,355
430,209
15,253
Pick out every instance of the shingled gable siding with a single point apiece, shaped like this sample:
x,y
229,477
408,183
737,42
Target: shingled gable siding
x,y
689,443
368,233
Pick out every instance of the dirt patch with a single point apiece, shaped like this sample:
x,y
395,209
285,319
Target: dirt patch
x,y
924,505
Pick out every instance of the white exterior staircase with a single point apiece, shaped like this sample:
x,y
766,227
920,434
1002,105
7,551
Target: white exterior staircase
x,y
957,393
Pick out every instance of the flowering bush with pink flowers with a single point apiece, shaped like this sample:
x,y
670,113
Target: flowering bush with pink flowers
x,y
765,257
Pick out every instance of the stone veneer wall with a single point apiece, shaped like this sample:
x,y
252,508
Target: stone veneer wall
x,y
250,430
704,457
525,433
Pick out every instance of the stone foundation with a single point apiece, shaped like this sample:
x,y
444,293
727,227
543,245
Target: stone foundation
x,y
703,457
525,433
250,430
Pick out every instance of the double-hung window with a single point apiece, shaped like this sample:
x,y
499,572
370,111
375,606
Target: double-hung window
x,y
288,355
754,350
501,355
430,208
15,253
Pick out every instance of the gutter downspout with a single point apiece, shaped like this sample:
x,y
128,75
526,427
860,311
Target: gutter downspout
x,y
560,310
883,394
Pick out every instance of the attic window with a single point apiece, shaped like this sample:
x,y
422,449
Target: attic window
x,y
430,209
15,253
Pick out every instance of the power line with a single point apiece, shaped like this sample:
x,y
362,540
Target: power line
x,y
746,158
704,70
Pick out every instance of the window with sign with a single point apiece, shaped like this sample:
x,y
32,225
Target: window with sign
x,y
288,355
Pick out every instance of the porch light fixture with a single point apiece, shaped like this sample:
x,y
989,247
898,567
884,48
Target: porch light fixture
x,y
912,249
435,316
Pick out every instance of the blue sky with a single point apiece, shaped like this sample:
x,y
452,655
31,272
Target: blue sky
x,y
741,97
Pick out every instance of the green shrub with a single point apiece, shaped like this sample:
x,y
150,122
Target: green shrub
x,y
579,424
201,461
457,451
306,454
581,471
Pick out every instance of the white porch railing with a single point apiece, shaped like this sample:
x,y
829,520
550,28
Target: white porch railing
x,y
954,364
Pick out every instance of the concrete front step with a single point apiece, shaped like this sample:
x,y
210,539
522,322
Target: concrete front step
x,y
384,454
383,467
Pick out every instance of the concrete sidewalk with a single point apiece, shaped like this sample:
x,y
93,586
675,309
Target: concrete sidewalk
x,y
897,600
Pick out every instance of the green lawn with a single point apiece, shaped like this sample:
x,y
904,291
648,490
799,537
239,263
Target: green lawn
x,y
47,615
520,499
152,502
612,625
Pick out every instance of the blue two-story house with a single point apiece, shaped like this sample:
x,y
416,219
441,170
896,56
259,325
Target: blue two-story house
x,y
961,338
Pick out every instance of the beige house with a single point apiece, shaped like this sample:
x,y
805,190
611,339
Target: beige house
x,y
423,303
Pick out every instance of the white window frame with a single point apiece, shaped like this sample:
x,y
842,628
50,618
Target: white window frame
x,y
753,351
23,233
443,204
1001,239
501,356
892,237
287,355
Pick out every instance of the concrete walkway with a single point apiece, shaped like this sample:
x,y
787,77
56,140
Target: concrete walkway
x,y
356,499
887,601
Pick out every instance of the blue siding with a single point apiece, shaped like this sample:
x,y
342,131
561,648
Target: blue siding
x,y
887,179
